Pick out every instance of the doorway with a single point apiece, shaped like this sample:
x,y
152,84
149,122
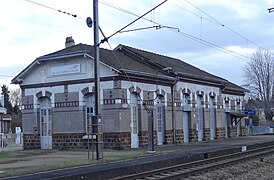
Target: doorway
x,y
45,123
134,120
160,121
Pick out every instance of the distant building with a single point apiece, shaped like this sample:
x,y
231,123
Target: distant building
x,y
5,120
188,103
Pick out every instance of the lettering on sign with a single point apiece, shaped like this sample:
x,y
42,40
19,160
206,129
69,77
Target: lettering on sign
x,y
67,69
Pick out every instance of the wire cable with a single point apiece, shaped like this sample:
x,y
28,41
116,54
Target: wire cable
x,y
140,17
221,24
123,10
150,27
193,13
210,44
73,15
67,13
119,62
4,75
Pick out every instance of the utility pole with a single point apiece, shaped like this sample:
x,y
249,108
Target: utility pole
x,y
96,121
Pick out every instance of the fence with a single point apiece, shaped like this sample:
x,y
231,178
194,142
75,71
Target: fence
x,y
258,130
11,142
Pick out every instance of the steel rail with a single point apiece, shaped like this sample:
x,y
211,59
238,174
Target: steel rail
x,y
196,167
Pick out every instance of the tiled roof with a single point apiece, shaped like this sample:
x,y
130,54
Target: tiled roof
x,y
129,58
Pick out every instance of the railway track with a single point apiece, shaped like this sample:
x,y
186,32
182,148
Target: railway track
x,y
193,168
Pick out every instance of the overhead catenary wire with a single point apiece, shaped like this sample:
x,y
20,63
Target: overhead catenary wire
x,y
51,8
67,13
119,62
221,24
150,27
39,4
4,75
138,18
202,41
209,20
150,20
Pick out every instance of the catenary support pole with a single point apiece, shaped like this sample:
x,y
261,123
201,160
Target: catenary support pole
x,y
150,133
98,122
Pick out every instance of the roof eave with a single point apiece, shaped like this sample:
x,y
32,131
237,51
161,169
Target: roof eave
x,y
19,78
66,55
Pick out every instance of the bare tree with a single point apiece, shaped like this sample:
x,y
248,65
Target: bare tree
x,y
15,97
259,75
15,100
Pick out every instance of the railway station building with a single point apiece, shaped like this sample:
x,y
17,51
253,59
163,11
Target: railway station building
x,y
188,103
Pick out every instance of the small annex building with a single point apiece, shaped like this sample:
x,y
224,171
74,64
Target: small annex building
x,y
188,103
5,119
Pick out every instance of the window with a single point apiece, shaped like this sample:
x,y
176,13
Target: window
x,y
134,120
90,105
160,119
186,100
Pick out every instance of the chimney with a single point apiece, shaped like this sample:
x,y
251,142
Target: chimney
x,y
69,42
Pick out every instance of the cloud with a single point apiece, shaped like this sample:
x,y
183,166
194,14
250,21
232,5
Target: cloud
x,y
29,31
218,63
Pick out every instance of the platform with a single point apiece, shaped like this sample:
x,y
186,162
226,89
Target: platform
x,y
173,154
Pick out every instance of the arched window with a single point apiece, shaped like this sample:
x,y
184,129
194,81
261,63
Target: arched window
x,y
89,110
45,123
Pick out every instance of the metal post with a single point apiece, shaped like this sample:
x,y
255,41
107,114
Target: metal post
x,y
226,124
99,138
173,115
150,129
150,133
250,126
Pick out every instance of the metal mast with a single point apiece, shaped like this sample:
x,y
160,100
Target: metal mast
x,y
97,118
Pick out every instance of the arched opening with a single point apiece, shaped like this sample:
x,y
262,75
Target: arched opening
x,y
45,123
200,117
89,111
160,120
186,116
212,116
134,120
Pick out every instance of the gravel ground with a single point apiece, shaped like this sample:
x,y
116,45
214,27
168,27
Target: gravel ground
x,y
250,170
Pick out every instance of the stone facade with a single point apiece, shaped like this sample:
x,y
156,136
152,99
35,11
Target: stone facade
x,y
58,101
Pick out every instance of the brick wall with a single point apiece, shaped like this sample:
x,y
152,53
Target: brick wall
x,y
31,141
68,141
220,133
117,140
29,117
68,120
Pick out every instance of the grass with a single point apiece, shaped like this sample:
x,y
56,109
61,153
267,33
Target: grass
x,y
108,156
4,155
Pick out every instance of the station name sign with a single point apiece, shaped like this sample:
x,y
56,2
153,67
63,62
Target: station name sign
x,y
67,69
249,111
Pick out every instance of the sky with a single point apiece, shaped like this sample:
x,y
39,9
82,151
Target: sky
x,y
216,36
